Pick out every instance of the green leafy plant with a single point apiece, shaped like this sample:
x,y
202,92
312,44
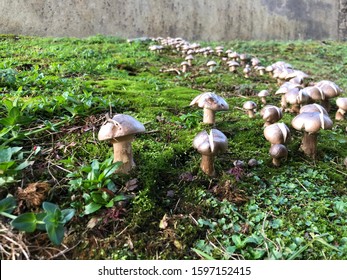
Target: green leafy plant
x,y
95,184
52,220
11,162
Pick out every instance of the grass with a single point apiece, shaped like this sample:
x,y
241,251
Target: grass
x,y
55,93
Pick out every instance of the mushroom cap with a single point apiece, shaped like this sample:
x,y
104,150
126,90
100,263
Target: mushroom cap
x,y
210,144
278,151
314,92
211,101
184,63
233,63
312,122
313,108
271,113
277,133
342,103
329,88
120,125
189,57
296,96
211,63
249,105
287,86
263,93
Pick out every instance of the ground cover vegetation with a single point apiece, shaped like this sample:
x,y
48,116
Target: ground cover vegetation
x,y
61,197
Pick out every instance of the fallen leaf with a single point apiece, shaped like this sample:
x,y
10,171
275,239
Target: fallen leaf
x,y
131,185
163,223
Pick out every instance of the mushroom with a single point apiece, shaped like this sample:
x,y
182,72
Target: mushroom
x,y
246,71
330,90
211,103
271,114
277,133
342,104
120,131
262,94
296,98
184,65
250,107
211,65
278,152
189,58
209,145
345,162
311,123
315,93
261,70
233,65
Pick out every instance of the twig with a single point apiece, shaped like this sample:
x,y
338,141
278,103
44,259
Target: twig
x,y
301,184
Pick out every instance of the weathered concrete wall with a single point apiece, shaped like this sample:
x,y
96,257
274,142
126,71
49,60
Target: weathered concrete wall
x,y
190,19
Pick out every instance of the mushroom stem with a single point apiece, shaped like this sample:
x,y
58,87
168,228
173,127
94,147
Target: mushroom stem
x,y
122,151
309,144
263,100
251,113
276,162
207,165
209,116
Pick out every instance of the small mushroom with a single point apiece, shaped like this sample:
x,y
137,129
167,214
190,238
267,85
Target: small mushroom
x,y
209,145
120,131
184,66
233,65
271,114
246,71
278,152
345,162
342,104
211,103
189,58
263,94
311,123
296,98
277,133
250,107
211,65
261,70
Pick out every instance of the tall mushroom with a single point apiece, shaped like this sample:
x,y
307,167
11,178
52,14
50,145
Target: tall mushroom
x,y
211,103
250,107
311,123
211,65
209,145
120,131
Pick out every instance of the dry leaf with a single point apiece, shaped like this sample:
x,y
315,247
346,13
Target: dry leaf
x,y
33,194
163,223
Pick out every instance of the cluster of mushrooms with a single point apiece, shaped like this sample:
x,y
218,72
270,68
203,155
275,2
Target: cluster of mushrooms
x,y
309,101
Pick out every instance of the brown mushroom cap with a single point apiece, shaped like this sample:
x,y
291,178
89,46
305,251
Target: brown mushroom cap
x,y
211,63
271,113
278,151
312,122
314,92
329,88
249,105
120,125
210,144
342,103
263,93
313,108
210,100
277,133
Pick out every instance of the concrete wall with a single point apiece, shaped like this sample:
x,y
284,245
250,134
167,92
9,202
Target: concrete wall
x,y
190,19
